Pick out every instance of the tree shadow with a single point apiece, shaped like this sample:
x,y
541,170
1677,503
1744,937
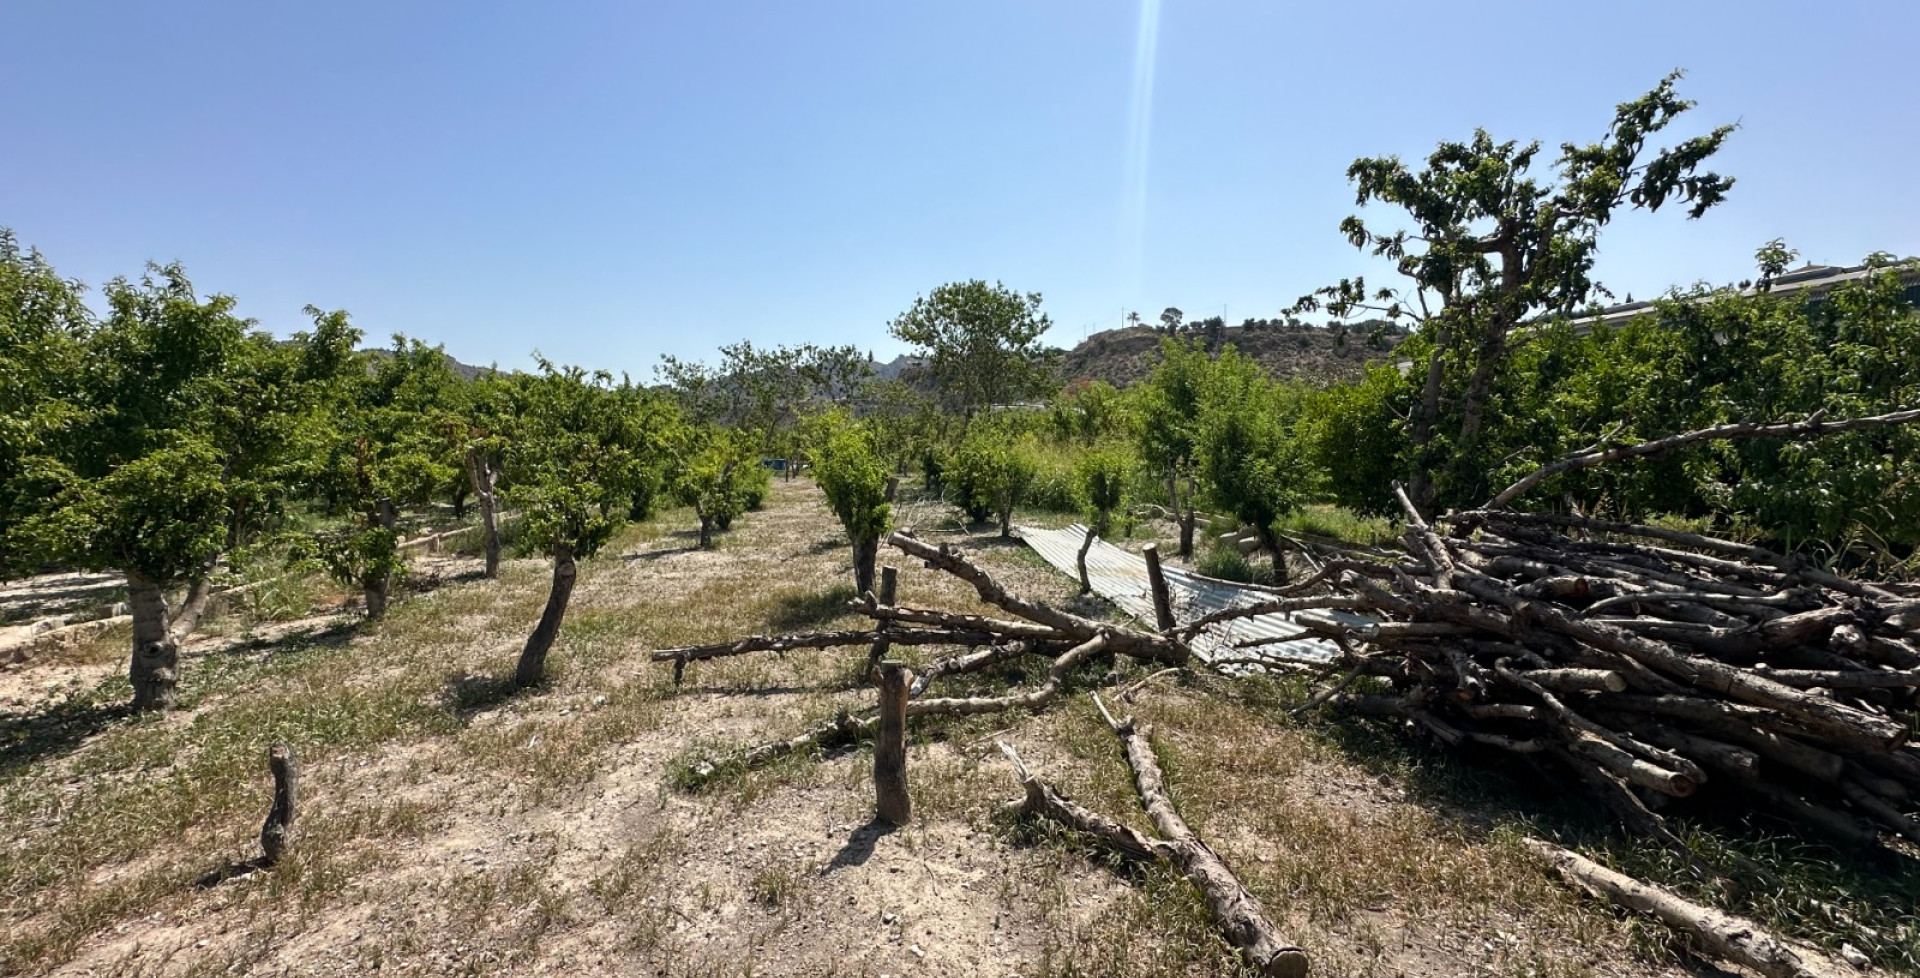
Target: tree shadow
x,y
662,553
860,844
466,695
827,546
26,738
232,871
793,612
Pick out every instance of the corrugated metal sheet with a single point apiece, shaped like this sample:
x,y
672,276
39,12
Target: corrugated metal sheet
x,y
1121,578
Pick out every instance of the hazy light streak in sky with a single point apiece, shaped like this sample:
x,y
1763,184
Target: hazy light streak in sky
x,y
1133,221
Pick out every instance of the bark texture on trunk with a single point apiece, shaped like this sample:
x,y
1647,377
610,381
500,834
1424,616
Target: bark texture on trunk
x,y
278,830
1086,544
480,473
892,803
379,582
154,669
706,532
1186,523
1731,938
865,553
533,659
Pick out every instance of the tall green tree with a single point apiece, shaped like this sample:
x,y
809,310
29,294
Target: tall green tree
x,y
178,428
1166,419
981,343
1251,461
576,450
388,450
1485,246
848,467
44,325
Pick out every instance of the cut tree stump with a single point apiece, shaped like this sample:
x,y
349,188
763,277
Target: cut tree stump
x,y
278,830
892,803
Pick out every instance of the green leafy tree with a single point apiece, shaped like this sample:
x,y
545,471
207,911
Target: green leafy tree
x,y
990,473
178,422
1102,474
848,467
388,451
44,325
577,447
1166,416
1251,461
981,343
716,476
477,426
1488,246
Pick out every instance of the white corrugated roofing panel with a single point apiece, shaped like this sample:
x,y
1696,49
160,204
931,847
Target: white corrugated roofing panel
x,y
1121,577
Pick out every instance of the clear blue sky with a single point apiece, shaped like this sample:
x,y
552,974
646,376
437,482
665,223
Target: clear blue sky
x,y
607,182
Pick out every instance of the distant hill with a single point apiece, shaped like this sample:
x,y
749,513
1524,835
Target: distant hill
x,y
1294,351
463,370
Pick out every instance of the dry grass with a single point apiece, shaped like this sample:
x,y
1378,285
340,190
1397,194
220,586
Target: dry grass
x,y
452,825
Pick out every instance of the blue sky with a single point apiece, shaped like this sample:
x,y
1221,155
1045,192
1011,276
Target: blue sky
x,y
608,182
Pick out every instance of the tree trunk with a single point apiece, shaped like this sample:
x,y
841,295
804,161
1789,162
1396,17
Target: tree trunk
x,y
533,659
1186,523
1271,541
379,582
154,668
278,829
865,551
481,474
460,494
706,532
1086,544
1006,517
1420,478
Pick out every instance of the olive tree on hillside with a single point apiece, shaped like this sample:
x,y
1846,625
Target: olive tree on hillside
x,y
1486,246
981,343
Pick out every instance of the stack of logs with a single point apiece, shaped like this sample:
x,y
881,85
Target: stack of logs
x,y
1650,662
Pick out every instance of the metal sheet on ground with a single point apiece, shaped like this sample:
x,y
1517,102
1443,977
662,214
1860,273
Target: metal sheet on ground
x,y
1121,577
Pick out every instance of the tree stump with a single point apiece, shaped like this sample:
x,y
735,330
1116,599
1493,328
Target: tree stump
x,y
278,830
893,805
1162,604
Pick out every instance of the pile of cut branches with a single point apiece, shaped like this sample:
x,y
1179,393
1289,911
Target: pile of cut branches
x,y
1652,658
1648,661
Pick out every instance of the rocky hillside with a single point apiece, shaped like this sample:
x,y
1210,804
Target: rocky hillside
x,y
1311,353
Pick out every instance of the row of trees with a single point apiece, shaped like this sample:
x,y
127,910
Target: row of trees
x,y
166,434
1497,378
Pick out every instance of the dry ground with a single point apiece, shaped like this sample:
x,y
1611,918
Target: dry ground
x,y
450,826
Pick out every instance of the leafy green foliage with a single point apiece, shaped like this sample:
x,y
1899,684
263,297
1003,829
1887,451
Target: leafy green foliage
x,y
717,474
1487,245
980,342
580,446
989,473
1105,473
1250,459
848,468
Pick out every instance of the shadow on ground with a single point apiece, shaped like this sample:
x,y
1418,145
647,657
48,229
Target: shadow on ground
x,y
793,612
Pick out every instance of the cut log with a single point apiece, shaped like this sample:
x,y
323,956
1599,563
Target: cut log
x,y
1735,939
